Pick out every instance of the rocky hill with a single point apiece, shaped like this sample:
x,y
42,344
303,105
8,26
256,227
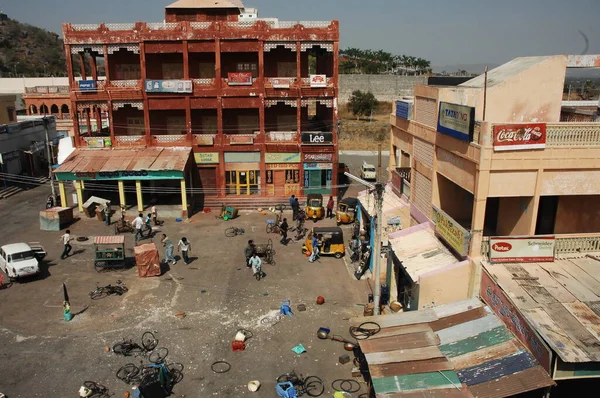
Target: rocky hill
x,y
29,51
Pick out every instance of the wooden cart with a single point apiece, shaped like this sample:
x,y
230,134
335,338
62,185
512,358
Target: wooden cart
x,y
109,252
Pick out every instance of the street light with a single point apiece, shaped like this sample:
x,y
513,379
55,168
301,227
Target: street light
x,y
377,188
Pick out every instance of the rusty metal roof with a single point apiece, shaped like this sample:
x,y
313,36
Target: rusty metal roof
x,y
559,299
206,4
154,158
461,349
110,240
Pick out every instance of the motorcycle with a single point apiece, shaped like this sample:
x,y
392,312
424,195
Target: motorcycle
x,y
50,201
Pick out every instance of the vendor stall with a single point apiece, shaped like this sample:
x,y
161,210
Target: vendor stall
x,y
56,218
147,260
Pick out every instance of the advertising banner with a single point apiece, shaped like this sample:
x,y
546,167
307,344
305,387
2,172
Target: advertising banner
x,y
452,232
457,121
515,137
87,85
239,78
318,166
496,299
318,81
282,82
169,86
121,175
282,157
316,138
206,157
404,110
318,157
514,249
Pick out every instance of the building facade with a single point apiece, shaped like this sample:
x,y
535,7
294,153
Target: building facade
x,y
254,100
492,158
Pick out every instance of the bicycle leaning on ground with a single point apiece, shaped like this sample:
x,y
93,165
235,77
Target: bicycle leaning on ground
x,y
104,291
234,231
91,389
132,374
311,385
129,348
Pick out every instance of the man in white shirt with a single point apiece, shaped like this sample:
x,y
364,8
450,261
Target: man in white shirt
x,y
65,239
138,224
256,264
185,246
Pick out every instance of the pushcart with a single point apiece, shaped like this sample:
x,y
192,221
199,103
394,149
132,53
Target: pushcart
x,y
266,252
109,252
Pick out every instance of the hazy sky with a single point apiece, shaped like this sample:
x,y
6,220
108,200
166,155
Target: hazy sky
x,y
445,32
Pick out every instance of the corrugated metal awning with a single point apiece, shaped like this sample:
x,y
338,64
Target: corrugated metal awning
x,y
109,240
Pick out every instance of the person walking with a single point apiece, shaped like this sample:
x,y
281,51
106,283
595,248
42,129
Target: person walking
x,y
330,207
292,199
123,211
295,208
256,264
284,230
249,250
107,212
66,239
316,244
154,213
138,224
168,245
185,246
148,225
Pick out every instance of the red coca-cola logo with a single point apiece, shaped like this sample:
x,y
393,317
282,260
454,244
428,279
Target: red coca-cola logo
x,y
502,247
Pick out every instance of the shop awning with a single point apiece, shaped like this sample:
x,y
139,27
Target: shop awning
x,y
561,301
456,350
125,164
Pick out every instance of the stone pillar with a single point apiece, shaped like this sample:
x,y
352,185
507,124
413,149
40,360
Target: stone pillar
x,y
138,191
184,204
79,190
64,202
122,193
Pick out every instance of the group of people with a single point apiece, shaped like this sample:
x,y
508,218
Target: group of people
x,y
184,247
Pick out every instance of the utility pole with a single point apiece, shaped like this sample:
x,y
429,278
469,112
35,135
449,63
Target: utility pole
x,y
377,189
50,161
379,163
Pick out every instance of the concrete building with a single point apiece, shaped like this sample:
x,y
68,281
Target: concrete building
x,y
493,158
253,100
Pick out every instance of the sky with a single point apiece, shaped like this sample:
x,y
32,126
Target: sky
x,y
448,33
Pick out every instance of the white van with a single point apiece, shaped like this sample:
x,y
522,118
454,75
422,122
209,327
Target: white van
x,y
368,171
19,260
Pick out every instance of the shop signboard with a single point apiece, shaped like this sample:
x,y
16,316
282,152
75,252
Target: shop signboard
x,y
281,82
522,249
318,157
204,140
281,166
457,121
451,232
206,157
239,78
404,109
318,166
241,139
242,157
121,175
496,299
318,81
95,143
317,138
87,85
168,86
42,89
282,157
517,137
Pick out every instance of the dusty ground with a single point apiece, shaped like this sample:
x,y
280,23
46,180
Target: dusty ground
x,y
41,355
365,134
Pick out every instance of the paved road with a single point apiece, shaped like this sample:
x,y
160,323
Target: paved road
x,y
354,162
44,356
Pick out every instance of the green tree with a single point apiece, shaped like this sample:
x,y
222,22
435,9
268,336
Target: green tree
x,y
362,104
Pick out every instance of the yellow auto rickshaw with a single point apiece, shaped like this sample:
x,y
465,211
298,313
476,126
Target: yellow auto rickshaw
x,y
346,211
332,241
314,206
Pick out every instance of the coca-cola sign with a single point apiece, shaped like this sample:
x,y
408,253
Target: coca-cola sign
x,y
515,137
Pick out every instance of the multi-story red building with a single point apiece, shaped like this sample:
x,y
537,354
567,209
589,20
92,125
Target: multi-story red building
x,y
254,100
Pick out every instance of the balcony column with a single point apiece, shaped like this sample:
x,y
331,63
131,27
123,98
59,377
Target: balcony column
x,y
94,66
183,198
138,191
69,58
111,126
299,63
535,202
188,117
336,67
261,63
88,122
186,62
122,202
218,63
63,194
79,189
75,113
220,134
147,131
106,66
82,65
299,120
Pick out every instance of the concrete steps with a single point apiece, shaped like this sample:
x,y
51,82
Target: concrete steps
x,y
10,191
247,203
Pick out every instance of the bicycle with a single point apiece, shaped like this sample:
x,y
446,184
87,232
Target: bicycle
x,y
91,389
132,374
128,347
105,291
234,231
311,385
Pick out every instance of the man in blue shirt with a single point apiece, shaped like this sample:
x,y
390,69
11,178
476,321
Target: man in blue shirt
x,y
315,248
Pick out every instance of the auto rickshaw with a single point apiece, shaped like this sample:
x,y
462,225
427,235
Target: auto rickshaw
x,y
227,213
314,206
346,211
332,238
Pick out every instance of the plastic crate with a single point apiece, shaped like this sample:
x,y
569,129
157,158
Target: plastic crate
x,y
271,222
238,345
286,390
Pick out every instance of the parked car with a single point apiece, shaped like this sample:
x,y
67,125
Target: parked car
x,y
18,260
368,171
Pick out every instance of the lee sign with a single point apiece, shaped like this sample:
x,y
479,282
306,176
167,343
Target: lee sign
x,y
514,137
317,138
521,249
457,121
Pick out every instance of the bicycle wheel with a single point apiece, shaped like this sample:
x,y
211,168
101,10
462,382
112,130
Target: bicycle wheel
x,y
280,207
149,341
364,330
128,373
292,377
158,355
119,290
121,348
230,232
313,386
98,293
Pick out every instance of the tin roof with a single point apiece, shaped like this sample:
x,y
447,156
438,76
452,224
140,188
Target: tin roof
x,y
420,250
504,72
153,158
206,4
461,349
560,300
109,240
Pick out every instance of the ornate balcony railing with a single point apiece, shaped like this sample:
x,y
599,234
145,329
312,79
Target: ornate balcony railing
x,y
130,139
170,138
125,83
573,134
577,243
282,136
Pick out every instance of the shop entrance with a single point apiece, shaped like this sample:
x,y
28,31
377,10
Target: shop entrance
x,y
317,181
242,182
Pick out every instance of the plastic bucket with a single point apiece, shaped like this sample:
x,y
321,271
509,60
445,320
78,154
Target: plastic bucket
x,y
253,385
240,336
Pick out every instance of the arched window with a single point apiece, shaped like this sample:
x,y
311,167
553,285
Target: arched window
x,y
33,109
54,109
43,109
64,109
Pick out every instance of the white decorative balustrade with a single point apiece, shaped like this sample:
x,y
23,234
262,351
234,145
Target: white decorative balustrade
x,y
572,135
